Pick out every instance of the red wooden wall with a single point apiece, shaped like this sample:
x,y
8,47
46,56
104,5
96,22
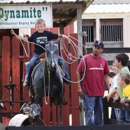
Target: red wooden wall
x,y
13,70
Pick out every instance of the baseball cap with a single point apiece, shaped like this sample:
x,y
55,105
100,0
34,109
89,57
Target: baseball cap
x,y
99,43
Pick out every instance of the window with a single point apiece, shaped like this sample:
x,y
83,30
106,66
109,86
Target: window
x,y
88,27
90,33
111,30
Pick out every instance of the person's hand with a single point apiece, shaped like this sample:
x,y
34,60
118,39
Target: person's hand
x,y
108,98
116,99
63,36
80,94
122,101
19,37
127,104
79,91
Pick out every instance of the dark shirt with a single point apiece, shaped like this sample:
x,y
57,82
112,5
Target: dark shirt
x,y
41,39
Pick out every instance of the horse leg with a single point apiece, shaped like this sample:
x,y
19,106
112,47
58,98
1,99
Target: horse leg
x,y
37,99
60,121
56,115
31,92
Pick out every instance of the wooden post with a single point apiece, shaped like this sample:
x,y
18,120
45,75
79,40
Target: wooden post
x,y
79,30
80,53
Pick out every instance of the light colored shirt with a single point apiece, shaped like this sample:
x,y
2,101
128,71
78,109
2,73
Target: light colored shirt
x,y
113,84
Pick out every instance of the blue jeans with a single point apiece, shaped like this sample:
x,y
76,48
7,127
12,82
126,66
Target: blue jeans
x,y
62,62
33,60
93,104
30,65
124,116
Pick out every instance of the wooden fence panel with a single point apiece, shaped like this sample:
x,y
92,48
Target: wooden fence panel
x,y
26,57
1,69
48,112
16,71
66,112
5,76
54,115
6,68
75,98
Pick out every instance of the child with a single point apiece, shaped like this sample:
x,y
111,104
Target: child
x,y
112,91
113,86
121,62
124,82
40,37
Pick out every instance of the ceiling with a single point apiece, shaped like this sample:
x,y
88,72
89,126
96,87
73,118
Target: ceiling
x,y
64,12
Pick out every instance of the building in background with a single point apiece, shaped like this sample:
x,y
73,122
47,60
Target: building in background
x,y
108,20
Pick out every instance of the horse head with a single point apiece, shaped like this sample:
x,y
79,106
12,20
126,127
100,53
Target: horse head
x,y
52,55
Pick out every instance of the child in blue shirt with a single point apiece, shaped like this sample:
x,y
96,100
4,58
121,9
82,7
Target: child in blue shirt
x,y
40,37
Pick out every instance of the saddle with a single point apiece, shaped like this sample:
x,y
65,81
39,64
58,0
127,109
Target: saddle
x,y
42,56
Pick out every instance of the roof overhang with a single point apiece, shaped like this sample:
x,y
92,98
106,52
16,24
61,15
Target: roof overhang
x,y
64,12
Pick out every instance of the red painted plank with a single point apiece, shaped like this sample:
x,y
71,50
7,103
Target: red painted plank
x,y
55,30
6,68
66,108
0,76
54,115
75,98
16,70
33,30
69,29
5,120
26,59
46,111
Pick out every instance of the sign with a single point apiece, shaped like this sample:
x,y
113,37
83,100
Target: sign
x,y
25,16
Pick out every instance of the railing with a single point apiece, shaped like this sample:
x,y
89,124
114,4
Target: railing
x,y
106,106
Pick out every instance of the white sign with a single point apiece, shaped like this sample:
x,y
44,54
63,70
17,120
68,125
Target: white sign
x,y
25,16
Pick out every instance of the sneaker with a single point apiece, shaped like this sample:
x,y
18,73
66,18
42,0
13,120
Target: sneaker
x,y
25,83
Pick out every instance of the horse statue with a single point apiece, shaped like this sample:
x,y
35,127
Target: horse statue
x,y
46,78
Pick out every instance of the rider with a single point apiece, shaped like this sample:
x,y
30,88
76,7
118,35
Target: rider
x,y
39,37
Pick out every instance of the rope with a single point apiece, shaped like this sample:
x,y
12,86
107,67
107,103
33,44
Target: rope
x,y
75,48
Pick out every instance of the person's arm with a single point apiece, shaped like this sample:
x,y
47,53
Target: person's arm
x,y
117,97
122,101
114,91
79,89
61,35
106,80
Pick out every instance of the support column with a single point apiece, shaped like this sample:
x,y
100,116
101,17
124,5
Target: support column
x,y
80,53
126,32
98,29
61,32
61,28
79,31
